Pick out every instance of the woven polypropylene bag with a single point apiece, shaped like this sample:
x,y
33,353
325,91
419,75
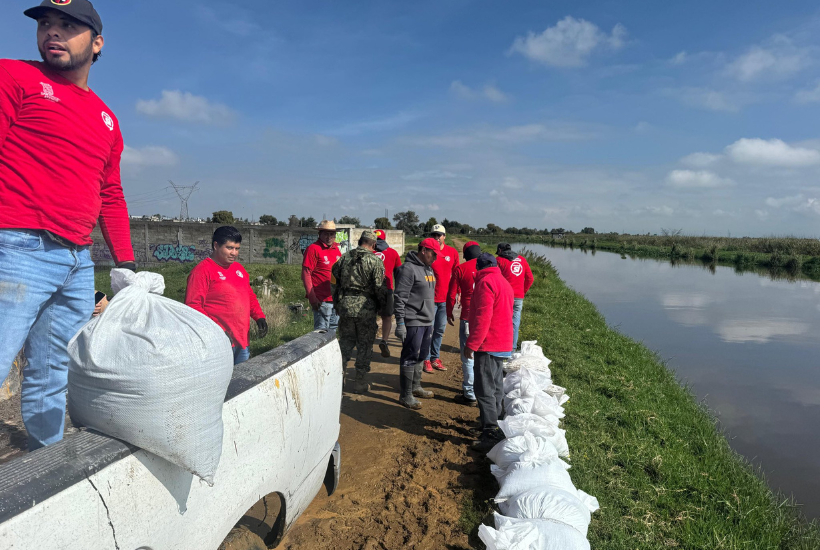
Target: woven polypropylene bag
x,y
152,372
523,534
572,508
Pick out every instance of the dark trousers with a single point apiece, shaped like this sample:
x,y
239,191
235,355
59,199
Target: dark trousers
x,y
416,345
489,389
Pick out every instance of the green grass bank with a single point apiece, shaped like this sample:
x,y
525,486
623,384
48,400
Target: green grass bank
x,y
284,325
663,472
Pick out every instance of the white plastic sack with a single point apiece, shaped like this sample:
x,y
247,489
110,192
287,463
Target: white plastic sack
x,y
153,372
527,381
531,356
541,404
558,393
517,534
554,504
522,424
522,448
523,476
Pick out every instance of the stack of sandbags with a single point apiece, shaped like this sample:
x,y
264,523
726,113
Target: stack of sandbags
x,y
542,509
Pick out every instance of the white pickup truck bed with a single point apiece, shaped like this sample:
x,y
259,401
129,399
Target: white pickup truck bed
x,y
281,418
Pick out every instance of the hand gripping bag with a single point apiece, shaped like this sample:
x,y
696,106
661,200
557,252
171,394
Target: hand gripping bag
x,y
523,424
522,448
523,476
152,372
572,508
518,534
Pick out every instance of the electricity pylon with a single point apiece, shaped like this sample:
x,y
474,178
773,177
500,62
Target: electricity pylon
x,y
184,193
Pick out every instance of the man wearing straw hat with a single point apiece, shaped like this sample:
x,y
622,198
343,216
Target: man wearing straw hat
x,y
316,276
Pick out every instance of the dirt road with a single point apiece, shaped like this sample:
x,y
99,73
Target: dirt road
x,y
405,474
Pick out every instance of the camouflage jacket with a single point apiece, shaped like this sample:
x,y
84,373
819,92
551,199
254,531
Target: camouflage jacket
x,y
360,290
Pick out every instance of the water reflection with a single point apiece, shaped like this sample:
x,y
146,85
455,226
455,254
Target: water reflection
x,y
746,343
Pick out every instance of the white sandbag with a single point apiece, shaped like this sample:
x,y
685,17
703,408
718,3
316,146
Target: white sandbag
x,y
531,357
522,448
541,404
522,424
528,381
550,503
517,534
153,372
523,476
558,393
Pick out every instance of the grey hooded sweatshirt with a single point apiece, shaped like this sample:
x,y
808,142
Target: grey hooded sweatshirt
x,y
415,292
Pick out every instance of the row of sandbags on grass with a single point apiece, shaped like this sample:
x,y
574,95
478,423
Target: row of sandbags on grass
x,y
541,509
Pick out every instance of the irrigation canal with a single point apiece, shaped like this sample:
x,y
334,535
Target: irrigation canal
x,y
748,345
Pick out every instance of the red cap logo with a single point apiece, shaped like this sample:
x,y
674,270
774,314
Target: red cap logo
x,y
380,234
61,2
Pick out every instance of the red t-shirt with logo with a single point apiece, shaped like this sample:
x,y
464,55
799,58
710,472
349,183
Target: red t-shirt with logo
x,y
391,260
225,295
462,284
319,259
518,274
60,149
446,261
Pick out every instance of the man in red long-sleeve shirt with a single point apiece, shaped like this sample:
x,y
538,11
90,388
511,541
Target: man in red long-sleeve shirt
x,y
517,271
317,276
490,341
392,261
60,149
461,287
220,288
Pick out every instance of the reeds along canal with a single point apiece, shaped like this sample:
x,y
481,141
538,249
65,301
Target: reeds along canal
x,y
747,345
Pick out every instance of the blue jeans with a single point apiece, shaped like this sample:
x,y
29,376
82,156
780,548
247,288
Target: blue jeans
x,y
518,305
466,364
46,296
325,318
240,355
439,324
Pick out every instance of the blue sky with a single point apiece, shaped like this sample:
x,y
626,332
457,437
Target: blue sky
x,y
624,116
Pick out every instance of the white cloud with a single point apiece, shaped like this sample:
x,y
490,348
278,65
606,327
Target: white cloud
x,y
662,210
490,92
784,201
759,331
433,174
511,135
712,100
151,155
701,160
325,140
642,127
230,21
773,152
569,43
779,59
511,182
808,96
186,106
375,125
679,58
696,179
762,215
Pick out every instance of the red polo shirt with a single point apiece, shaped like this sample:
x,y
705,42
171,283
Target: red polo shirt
x,y
446,261
391,261
225,295
319,259
60,149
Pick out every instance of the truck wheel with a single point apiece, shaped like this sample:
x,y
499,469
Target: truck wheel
x,y
241,538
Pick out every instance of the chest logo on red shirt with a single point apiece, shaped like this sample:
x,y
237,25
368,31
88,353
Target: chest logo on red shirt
x,y
221,275
107,118
48,92
240,274
327,262
380,255
446,258
516,268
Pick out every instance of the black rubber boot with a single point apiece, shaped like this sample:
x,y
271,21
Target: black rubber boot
x,y
360,385
406,382
418,391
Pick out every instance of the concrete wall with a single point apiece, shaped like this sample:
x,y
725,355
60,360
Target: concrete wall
x,y
158,243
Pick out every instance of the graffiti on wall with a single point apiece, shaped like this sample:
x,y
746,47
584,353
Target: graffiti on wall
x,y
176,252
305,241
276,249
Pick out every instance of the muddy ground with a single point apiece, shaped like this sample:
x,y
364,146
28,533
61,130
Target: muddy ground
x,y
405,474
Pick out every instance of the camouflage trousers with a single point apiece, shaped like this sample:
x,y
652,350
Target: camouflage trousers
x,y
359,333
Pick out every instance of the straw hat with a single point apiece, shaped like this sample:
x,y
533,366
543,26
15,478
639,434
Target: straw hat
x,y
327,225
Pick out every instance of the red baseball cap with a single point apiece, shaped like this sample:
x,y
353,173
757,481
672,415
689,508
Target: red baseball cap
x,y
380,234
468,245
431,243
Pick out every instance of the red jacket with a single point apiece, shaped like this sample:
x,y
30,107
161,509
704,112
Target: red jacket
x,y
60,149
517,273
462,283
225,295
447,260
491,311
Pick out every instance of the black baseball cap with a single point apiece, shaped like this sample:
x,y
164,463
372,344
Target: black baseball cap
x,y
81,10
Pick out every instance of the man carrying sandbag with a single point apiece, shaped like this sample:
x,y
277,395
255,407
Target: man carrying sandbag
x,y
60,149
489,343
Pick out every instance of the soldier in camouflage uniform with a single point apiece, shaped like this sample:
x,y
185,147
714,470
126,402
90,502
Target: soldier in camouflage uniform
x,y
359,295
